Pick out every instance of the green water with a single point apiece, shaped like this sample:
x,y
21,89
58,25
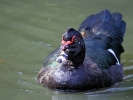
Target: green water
x,y
31,29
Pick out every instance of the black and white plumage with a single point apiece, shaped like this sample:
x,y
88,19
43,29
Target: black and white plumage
x,y
92,55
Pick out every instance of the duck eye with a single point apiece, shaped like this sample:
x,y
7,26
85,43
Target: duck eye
x,y
76,40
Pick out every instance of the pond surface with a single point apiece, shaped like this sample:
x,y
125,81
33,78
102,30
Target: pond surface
x,y
31,29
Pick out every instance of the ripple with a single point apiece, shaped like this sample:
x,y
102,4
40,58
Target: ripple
x,y
128,68
129,80
42,43
20,73
130,61
128,76
30,91
123,60
110,90
24,82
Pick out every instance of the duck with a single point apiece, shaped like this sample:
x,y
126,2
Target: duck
x,y
88,58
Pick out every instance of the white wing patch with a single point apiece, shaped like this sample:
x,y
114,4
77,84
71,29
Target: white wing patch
x,y
111,51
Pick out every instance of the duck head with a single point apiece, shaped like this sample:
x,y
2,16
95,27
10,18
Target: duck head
x,y
72,47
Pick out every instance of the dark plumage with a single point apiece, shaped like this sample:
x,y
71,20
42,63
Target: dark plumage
x,y
86,61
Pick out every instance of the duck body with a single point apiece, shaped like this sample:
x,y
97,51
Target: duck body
x,y
93,59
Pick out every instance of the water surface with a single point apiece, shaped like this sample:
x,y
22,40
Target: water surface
x,y
31,29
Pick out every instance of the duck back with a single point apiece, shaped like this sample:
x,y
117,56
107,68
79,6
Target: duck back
x,y
103,31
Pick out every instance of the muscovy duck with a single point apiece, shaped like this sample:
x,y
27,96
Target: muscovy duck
x,y
88,58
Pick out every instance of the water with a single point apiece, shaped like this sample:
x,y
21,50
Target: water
x,y
31,29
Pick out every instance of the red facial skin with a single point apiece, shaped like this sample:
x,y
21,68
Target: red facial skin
x,y
67,42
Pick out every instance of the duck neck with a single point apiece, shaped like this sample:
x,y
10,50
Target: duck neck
x,y
78,59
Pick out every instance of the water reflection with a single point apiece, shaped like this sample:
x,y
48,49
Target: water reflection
x,y
107,94
70,97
